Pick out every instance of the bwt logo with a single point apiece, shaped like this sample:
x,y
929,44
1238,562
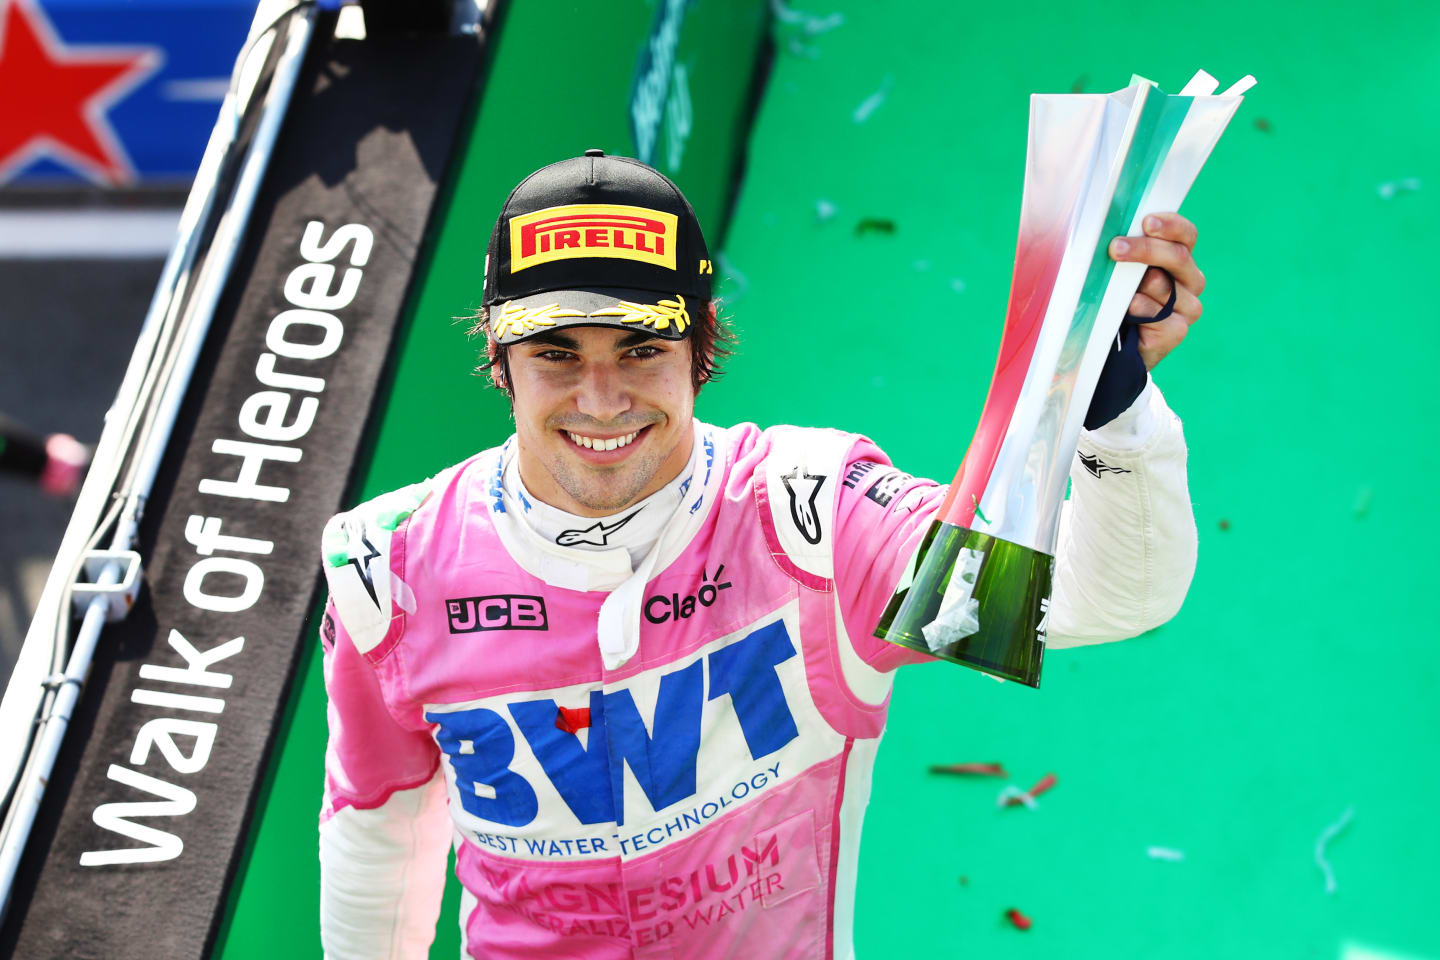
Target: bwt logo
x,y
593,230
471,614
480,743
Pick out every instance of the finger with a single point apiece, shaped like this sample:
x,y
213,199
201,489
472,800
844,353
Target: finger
x,y
1156,285
1174,257
1171,226
1142,306
1158,339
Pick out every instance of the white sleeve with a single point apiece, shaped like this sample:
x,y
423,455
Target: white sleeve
x,y
382,876
1127,543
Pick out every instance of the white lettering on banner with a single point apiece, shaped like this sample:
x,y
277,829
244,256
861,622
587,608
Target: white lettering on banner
x,y
308,286
197,596
333,332
196,671
306,332
253,455
273,427
203,533
175,802
316,252
161,733
266,373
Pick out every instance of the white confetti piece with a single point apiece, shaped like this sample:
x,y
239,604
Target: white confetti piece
x,y
1389,189
1331,832
871,103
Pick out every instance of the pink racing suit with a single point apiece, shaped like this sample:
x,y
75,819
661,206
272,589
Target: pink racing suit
x,y
703,799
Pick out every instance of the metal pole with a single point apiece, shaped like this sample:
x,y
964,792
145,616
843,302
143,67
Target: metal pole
x,y
228,237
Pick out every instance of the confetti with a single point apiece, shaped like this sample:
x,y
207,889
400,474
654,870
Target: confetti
x,y
1013,797
1262,125
824,209
1164,853
811,24
1224,524
1021,921
1330,833
977,769
874,225
871,103
1388,190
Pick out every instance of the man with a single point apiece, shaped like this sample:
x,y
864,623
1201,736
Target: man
x,y
630,653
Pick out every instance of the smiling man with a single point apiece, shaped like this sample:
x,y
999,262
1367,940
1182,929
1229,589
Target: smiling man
x,y
625,660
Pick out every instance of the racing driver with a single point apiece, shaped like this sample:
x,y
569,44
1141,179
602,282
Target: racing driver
x,y
624,662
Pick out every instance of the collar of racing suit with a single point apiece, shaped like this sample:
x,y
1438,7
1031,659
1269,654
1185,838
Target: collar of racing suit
x,y
635,529
618,554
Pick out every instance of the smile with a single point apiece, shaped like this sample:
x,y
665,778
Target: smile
x,y
602,443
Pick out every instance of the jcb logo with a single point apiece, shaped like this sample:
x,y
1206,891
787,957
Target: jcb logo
x,y
471,614
593,230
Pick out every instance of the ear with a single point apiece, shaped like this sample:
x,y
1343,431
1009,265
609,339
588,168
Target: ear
x,y
499,366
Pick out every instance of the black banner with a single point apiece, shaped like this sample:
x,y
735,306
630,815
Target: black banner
x,y
146,815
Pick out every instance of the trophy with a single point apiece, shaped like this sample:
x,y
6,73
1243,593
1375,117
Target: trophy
x,y
977,590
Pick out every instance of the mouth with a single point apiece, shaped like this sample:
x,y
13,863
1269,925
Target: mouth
x,y
603,449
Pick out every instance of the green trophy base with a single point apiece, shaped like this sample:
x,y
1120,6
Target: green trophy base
x,y
974,600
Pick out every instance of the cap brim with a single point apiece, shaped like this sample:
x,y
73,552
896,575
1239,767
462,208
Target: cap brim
x,y
667,316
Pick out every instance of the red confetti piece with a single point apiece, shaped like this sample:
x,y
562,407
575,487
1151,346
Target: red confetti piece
x,y
572,721
1046,782
976,769
1021,921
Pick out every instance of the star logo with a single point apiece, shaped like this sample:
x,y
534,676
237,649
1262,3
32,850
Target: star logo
x,y
1096,466
597,535
361,558
54,97
803,489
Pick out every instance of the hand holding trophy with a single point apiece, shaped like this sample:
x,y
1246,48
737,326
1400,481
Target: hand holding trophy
x,y
978,589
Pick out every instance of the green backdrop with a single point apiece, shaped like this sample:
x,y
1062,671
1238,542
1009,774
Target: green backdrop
x,y
1298,682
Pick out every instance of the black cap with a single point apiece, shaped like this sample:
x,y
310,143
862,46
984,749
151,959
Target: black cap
x,y
596,241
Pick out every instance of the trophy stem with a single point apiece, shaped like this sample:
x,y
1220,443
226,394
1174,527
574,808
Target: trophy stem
x,y
976,600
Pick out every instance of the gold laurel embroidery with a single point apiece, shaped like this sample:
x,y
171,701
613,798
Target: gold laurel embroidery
x,y
515,319
659,315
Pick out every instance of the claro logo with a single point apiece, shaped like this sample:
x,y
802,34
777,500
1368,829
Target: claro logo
x,y
472,614
663,607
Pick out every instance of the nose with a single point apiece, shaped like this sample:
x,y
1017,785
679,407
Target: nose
x,y
602,393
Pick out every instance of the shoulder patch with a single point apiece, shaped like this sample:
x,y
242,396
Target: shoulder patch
x,y
356,550
802,472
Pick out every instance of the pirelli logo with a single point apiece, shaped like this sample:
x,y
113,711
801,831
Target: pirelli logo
x,y
593,230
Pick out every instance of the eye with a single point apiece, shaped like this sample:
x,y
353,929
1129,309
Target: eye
x,y
554,356
645,351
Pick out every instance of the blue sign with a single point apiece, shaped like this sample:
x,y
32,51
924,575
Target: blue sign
x,y
113,93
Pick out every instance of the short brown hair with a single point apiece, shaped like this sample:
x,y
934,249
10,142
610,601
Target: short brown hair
x,y
711,341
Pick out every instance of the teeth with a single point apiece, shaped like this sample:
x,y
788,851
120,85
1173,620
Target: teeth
x,y
595,443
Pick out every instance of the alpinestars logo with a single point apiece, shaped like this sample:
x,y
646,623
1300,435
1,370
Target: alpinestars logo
x,y
360,559
1096,466
803,489
597,535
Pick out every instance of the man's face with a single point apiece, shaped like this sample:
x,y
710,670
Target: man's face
x,y
599,386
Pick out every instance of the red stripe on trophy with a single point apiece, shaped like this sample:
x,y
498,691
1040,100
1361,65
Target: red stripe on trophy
x,y
1037,263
